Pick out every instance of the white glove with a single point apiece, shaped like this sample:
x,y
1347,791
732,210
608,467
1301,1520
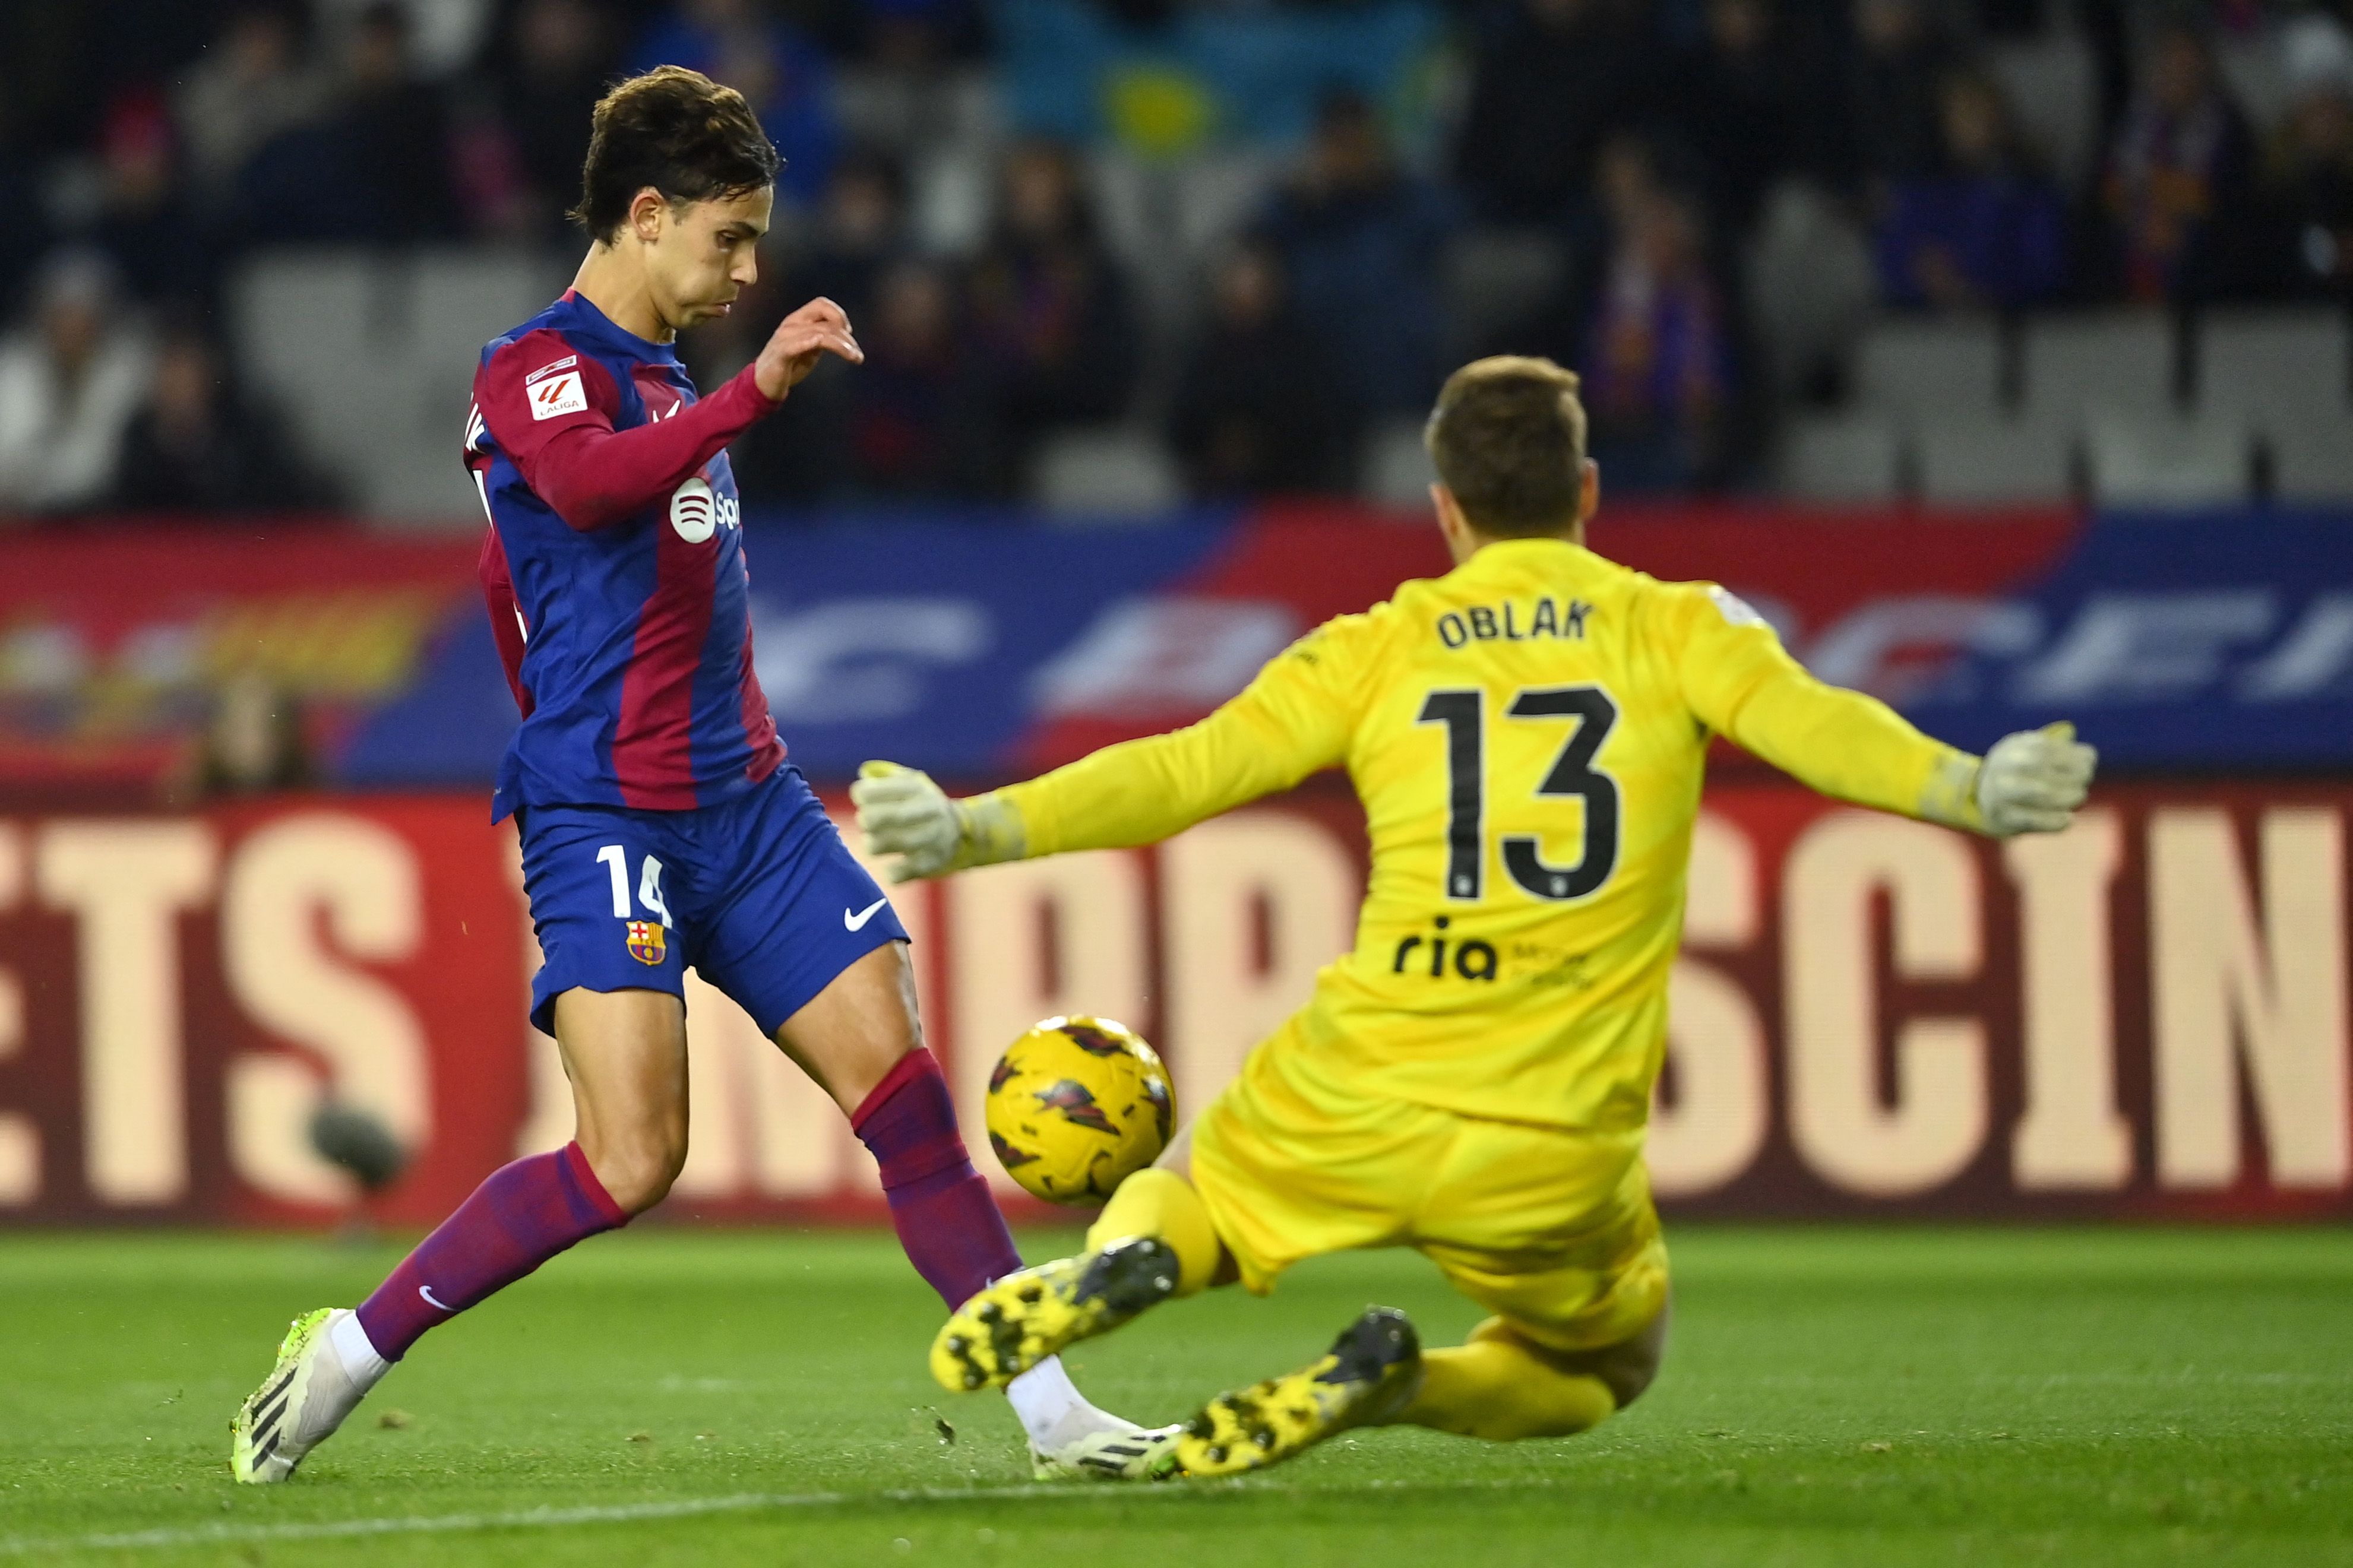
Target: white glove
x,y
2033,781
902,813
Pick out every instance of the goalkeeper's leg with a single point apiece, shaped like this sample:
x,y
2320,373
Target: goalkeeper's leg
x,y
1504,1384
1152,1242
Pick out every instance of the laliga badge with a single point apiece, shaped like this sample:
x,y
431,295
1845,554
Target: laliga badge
x,y
646,942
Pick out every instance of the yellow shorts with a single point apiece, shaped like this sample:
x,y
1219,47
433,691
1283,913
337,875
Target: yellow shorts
x,y
1550,1229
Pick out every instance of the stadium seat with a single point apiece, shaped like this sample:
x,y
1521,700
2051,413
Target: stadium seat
x,y
1947,367
1495,280
1851,457
2312,456
1978,461
2143,460
1396,469
2112,359
1811,285
1106,474
414,325
2270,362
2051,82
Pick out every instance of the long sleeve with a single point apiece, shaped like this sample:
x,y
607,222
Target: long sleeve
x,y
551,414
1741,683
506,615
1292,719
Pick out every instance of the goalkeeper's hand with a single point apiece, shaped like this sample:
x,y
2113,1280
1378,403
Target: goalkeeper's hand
x,y
903,814
2033,781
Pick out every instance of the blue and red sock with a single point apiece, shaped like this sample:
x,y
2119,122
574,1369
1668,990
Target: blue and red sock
x,y
521,1215
947,1222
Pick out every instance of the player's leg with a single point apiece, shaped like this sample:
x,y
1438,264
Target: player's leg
x,y
1580,1322
1504,1385
808,945
610,991
1264,1177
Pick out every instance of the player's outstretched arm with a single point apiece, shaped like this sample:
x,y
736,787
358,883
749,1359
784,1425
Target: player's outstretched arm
x,y
1294,719
1744,685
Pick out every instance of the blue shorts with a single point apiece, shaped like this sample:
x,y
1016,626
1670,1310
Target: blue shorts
x,y
759,895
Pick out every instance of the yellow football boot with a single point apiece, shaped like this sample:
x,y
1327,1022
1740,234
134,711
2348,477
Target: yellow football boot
x,y
1018,1321
1370,1373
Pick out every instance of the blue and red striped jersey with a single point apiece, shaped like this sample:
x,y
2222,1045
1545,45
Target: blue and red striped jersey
x,y
613,568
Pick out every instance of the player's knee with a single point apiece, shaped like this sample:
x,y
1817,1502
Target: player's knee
x,y
1631,1368
637,1168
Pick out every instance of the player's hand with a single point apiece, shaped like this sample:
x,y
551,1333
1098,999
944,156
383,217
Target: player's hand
x,y
2033,781
817,329
902,813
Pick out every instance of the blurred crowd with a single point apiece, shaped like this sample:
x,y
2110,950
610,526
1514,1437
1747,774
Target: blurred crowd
x,y
1645,148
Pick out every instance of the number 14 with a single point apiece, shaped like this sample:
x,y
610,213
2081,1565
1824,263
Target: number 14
x,y
1463,712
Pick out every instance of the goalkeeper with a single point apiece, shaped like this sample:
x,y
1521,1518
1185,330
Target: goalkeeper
x,y
1527,735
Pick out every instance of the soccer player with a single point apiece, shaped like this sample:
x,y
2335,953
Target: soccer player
x,y
660,825
1527,735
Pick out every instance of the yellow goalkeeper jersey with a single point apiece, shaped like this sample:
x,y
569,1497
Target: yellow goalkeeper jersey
x,y
1528,735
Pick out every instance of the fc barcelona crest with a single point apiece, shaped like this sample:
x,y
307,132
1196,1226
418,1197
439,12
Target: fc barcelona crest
x,y
645,944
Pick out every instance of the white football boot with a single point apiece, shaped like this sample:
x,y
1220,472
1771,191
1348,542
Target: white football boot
x,y
1122,1453
298,1405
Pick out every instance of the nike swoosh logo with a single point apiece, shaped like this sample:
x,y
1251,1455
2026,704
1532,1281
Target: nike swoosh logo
x,y
427,1291
858,921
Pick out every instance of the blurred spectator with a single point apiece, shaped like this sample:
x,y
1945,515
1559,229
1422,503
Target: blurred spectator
x,y
1051,308
1989,229
860,229
143,222
1360,242
547,72
2178,187
1747,102
68,388
1546,85
251,85
1900,57
2308,168
254,741
1656,350
198,445
773,64
1260,406
918,416
396,126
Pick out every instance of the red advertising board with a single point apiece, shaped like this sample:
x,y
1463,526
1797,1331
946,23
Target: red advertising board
x,y
2145,1017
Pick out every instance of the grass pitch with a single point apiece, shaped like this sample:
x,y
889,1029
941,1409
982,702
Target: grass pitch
x,y
1866,1396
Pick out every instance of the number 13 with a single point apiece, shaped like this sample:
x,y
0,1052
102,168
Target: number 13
x,y
1463,712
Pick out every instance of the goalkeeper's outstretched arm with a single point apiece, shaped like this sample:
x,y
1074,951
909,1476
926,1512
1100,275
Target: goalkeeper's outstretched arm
x,y
1744,685
1292,720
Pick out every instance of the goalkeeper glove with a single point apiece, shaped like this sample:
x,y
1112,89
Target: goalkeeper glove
x,y
902,813
2033,781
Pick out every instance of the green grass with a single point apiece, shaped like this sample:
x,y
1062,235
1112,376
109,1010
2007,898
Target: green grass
x,y
1866,1397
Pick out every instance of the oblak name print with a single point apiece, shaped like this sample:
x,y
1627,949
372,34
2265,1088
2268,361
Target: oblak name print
x,y
1545,616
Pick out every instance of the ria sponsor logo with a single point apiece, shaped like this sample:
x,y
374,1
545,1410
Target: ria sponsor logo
x,y
697,512
1473,960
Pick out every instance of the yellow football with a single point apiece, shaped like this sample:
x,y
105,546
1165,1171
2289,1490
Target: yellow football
x,y
1078,1105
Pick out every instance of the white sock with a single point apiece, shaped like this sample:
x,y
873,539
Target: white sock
x,y
358,1353
1051,1408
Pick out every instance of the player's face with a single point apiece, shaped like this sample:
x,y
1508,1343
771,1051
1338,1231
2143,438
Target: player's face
x,y
708,253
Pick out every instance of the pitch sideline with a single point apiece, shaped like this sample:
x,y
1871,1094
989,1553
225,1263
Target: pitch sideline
x,y
680,1508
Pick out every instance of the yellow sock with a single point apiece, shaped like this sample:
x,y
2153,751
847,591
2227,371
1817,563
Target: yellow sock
x,y
1500,1388
1163,1203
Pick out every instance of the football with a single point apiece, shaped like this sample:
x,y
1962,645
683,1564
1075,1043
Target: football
x,y
1076,1106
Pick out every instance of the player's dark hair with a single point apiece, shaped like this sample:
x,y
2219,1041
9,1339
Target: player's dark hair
x,y
679,131
1508,439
